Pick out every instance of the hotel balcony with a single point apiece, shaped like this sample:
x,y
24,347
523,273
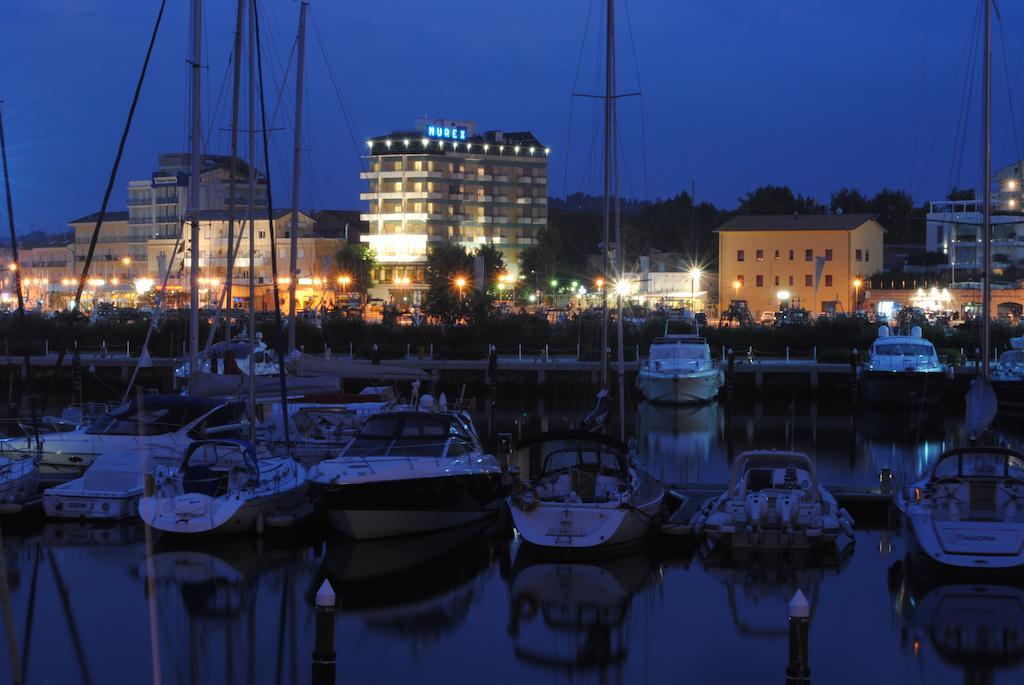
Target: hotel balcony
x,y
526,179
400,216
478,198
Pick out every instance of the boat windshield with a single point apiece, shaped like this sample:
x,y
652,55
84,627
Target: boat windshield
x,y
904,349
148,419
222,455
409,435
683,352
588,457
980,465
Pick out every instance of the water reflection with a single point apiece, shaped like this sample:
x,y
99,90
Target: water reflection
x,y
415,589
760,584
976,627
676,443
573,617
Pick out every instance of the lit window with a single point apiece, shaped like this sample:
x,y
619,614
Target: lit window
x,y
760,255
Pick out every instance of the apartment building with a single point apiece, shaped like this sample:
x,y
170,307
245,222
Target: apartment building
x,y
443,182
815,261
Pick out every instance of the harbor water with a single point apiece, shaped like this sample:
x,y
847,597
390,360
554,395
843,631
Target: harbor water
x,y
85,604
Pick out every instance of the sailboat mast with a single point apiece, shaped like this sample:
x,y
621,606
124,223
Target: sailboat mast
x,y
252,220
986,240
193,184
235,97
619,263
293,271
609,67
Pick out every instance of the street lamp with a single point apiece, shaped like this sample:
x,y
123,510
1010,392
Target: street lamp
x,y
736,289
857,283
695,275
460,283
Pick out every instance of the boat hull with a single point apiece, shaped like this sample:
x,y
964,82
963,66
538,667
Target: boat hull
x,y
902,387
78,504
966,545
386,508
562,527
226,515
680,388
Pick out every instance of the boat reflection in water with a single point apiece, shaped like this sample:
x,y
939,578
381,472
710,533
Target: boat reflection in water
x,y
760,584
978,627
573,617
675,442
416,587
205,598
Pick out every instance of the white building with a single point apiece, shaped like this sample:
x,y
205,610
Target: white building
x,y
444,182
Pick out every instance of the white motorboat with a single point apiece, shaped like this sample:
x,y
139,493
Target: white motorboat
x,y
582,492
108,490
233,358
773,501
967,511
155,427
679,370
1007,378
902,369
409,472
221,487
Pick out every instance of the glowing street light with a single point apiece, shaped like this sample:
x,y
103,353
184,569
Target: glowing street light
x,y
599,283
622,288
857,283
736,288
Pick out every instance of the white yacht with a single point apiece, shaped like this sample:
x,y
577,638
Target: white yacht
x,y
967,511
221,487
583,491
773,501
679,370
1007,378
156,427
409,471
902,369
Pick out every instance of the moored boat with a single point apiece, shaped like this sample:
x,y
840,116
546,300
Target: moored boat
x,y
967,510
582,492
409,471
221,487
773,501
679,370
902,369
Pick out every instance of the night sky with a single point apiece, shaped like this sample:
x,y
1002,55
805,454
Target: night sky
x,y
739,93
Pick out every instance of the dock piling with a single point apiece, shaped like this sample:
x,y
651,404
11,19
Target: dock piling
x,y
324,656
798,671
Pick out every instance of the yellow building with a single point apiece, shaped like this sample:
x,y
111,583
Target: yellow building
x,y
816,262
45,270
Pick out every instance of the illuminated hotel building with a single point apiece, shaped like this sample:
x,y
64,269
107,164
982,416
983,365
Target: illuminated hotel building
x,y
444,182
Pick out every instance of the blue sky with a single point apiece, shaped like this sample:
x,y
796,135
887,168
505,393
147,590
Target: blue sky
x,y
736,93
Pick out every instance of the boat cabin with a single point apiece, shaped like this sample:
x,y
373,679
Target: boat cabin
x,y
773,473
168,414
575,465
976,483
414,434
679,351
903,352
210,466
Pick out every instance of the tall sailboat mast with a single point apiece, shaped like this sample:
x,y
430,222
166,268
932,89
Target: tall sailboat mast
x,y
235,97
252,215
609,99
193,183
986,239
293,270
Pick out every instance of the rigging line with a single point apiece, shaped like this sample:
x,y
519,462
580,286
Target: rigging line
x,y
920,96
949,99
278,330
572,100
1009,85
337,92
639,87
29,385
960,135
220,98
69,328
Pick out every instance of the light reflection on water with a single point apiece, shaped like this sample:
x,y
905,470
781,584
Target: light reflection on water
x,y
463,606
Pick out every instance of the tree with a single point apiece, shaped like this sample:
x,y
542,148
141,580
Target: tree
x,y
850,201
494,266
448,265
960,193
357,262
895,211
771,199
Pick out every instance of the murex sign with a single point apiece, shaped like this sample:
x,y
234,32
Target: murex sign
x,y
447,132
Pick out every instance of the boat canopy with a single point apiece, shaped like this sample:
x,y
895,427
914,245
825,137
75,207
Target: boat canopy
x,y
412,434
161,414
756,470
903,347
548,453
221,455
684,350
979,462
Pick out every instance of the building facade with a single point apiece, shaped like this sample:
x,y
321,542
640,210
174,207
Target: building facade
x,y
444,182
818,262
954,227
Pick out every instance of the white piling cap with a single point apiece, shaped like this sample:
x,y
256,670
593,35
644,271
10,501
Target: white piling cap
x,y
798,606
326,598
